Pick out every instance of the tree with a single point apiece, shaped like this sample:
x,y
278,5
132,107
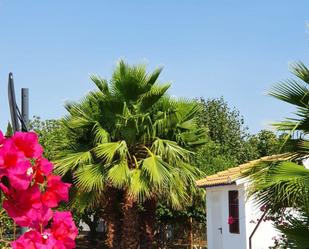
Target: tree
x,y
229,143
267,143
51,135
226,129
210,159
130,145
282,185
9,130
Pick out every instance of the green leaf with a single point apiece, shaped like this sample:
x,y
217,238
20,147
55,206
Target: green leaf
x,y
112,151
118,174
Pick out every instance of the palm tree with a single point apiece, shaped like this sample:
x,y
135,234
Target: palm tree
x,y
282,185
130,145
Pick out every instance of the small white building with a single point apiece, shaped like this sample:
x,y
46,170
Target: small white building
x,y
232,217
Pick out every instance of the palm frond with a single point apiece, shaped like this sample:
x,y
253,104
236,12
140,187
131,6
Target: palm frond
x,y
153,77
148,99
291,91
101,84
90,177
138,186
72,160
301,71
280,184
100,134
155,169
170,151
118,174
111,151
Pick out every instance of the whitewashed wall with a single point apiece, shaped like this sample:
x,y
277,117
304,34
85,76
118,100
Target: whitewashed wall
x,y
263,237
217,216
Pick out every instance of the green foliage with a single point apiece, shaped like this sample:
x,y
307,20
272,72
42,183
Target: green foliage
x,y
9,130
295,92
229,142
267,143
7,226
295,230
51,135
131,135
210,159
282,185
226,128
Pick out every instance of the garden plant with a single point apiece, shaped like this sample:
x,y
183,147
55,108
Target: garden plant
x,y
283,187
31,192
130,146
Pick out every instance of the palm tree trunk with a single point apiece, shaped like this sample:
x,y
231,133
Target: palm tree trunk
x,y
147,220
112,216
130,225
190,233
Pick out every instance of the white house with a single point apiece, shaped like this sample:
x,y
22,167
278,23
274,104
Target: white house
x,y
232,217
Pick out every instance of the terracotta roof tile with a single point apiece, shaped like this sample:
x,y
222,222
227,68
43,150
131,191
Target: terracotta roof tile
x,y
229,176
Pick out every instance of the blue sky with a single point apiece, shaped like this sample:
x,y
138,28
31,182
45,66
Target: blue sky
x,y
236,49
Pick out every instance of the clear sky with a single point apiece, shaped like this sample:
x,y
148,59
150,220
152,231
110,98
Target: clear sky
x,y
236,49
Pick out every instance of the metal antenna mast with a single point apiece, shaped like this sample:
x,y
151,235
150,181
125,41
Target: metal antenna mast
x,y
18,119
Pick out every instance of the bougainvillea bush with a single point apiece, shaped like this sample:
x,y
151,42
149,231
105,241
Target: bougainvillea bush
x,y
32,192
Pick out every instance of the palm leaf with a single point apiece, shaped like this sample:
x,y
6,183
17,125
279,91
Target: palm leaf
x,y
111,151
72,160
155,169
90,178
118,175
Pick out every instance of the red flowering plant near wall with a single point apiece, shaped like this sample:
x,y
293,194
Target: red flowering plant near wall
x,y
31,191
230,220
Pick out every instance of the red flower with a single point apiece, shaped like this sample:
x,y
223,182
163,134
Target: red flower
x,y
35,240
230,220
14,166
63,229
2,138
24,173
56,191
27,142
21,205
42,168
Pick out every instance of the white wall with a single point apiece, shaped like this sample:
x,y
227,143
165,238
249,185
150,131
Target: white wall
x,y
228,240
262,239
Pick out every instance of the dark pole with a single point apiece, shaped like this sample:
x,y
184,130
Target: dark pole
x,y
25,108
12,104
256,227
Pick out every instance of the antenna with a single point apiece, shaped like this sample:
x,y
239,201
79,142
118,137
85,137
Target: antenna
x,y
12,103
16,115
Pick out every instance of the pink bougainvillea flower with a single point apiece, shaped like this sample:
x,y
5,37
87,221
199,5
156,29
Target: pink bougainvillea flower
x,y
35,240
56,191
27,142
39,217
24,173
20,203
28,240
14,166
2,138
63,229
10,155
42,168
